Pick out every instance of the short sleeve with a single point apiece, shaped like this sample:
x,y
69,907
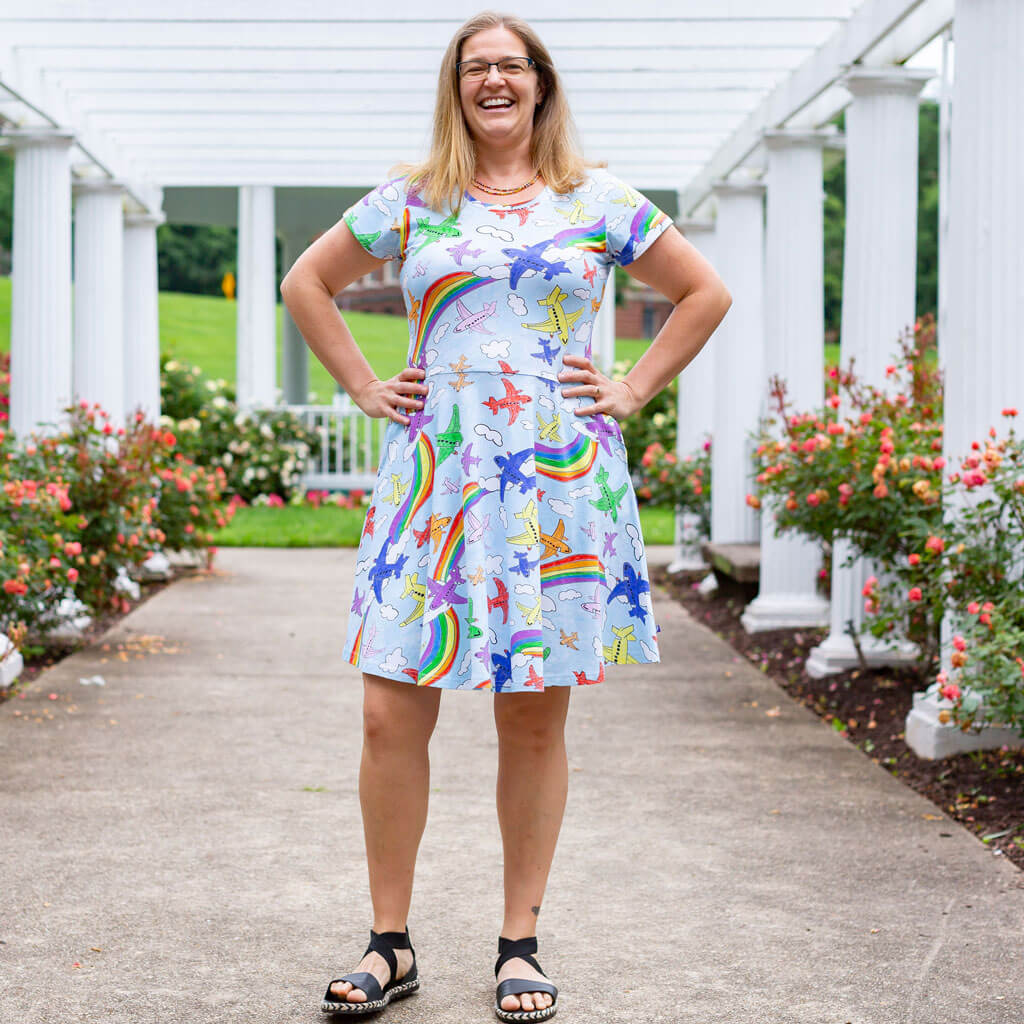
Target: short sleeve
x,y
379,221
632,221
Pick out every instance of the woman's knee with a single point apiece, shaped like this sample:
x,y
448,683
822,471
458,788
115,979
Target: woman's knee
x,y
534,720
397,713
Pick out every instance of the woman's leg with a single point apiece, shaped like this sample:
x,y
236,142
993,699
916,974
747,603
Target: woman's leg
x,y
533,780
394,784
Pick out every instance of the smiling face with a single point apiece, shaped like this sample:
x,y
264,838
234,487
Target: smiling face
x,y
494,122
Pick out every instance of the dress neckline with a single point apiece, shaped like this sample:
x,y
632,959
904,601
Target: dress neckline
x,y
546,189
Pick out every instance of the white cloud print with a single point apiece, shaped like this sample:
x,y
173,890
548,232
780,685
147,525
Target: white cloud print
x,y
492,435
395,661
498,273
583,331
563,508
501,233
388,611
496,349
638,545
517,304
569,595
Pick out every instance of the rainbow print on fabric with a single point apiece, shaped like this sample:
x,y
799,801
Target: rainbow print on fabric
x,y
436,301
489,554
591,237
357,643
568,461
576,569
438,656
455,543
471,495
527,641
404,227
452,550
422,485
644,219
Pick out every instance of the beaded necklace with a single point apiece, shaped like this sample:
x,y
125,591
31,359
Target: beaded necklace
x,y
505,191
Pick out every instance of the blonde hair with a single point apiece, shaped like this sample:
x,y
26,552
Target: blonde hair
x,y
555,149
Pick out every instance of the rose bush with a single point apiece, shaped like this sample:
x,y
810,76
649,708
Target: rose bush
x,y
261,451
36,563
867,466
109,472
80,506
654,424
983,582
683,483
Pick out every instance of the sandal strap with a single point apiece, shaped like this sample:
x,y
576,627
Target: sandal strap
x,y
385,943
362,980
516,986
512,949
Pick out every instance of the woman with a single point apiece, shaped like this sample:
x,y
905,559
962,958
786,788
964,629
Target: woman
x,y
502,548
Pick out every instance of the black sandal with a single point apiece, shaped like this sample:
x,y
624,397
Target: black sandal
x,y
384,943
510,949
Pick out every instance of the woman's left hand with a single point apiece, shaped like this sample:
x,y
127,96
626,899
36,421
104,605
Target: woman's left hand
x,y
614,398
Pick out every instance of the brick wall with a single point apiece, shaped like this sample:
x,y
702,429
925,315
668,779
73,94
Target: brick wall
x,y
642,314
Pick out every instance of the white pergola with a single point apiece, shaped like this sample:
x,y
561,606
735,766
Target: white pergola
x,y
275,120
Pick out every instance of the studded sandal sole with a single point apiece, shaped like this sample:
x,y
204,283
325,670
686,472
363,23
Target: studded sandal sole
x,y
377,998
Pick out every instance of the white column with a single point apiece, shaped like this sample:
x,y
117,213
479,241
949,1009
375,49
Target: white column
x,y
794,351
695,408
141,315
294,351
879,285
40,278
980,350
602,336
98,360
739,343
256,352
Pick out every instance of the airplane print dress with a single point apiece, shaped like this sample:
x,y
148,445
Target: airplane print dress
x,y
502,549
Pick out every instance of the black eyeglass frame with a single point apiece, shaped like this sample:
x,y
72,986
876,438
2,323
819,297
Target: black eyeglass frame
x,y
530,63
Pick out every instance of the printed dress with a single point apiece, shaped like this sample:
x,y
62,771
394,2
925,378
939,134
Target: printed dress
x,y
502,549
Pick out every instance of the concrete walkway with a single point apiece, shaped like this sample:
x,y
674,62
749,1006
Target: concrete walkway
x,y
184,843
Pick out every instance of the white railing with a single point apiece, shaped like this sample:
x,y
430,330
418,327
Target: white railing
x,y
350,445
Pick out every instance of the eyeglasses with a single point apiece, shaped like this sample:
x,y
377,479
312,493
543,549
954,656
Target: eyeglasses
x,y
510,67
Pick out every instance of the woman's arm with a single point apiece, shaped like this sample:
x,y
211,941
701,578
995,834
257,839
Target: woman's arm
x,y
675,268
330,264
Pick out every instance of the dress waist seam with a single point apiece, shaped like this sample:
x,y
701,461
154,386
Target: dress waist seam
x,y
492,373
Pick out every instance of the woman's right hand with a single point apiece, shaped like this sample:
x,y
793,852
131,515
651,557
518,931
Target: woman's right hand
x,y
387,397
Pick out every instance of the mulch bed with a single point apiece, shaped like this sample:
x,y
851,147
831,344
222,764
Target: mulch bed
x,y
983,790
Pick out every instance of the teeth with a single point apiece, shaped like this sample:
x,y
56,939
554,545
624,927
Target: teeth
x,y
496,102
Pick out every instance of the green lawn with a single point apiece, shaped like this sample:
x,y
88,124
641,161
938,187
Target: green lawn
x,y
333,527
